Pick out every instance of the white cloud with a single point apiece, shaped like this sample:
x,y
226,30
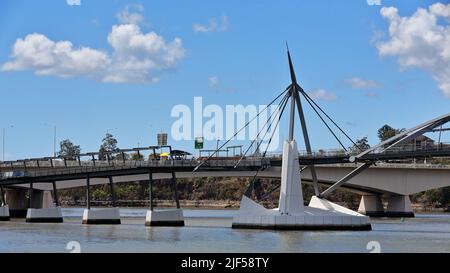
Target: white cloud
x,y
321,94
213,26
136,57
131,14
358,83
377,35
47,57
421,41
73,2
213,82
373,2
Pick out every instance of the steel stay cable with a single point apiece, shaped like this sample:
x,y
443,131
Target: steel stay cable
x,y
245,126
270,120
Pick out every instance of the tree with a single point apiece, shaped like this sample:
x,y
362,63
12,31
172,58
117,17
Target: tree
x,y
68,149
121,156
136,156
109,145
387,132
362,144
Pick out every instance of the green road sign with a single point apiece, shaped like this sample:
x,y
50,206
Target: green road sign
x,y
199,143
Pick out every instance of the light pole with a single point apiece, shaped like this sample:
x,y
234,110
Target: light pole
x,y
217,147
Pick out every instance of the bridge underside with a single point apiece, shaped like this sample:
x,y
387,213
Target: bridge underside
x,y
393,184
375,181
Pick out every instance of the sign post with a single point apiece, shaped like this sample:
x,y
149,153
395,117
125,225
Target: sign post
x,y
199,144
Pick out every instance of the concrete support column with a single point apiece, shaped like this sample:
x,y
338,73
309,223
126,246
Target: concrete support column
x,y
17,202
44,215
399,206
175,190
113,192
4,213
88,192
150,189
37,199
47,200
169,217
2,193
43,209
4,208
55,194
103,216
371,205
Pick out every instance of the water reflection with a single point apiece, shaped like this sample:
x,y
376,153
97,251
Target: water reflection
x,y
214,234
290,239
99,233
171,234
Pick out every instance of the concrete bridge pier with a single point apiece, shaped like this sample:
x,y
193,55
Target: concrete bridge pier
x,y
17,202
399,206
4,209
371,205
43,208
168,217
103,216
321,214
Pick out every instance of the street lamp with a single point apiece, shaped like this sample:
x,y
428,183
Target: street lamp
x,y
217,148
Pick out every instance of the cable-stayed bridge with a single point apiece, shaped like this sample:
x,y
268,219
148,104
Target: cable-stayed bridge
x,y
37,175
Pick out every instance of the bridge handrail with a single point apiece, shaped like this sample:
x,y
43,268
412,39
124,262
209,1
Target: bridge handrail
x,y
120,165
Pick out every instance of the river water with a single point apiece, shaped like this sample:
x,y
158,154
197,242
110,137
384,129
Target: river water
x,y
210,231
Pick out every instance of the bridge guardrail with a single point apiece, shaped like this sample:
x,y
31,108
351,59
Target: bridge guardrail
x,y
121,165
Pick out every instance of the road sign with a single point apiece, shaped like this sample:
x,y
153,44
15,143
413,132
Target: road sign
x,y
199,143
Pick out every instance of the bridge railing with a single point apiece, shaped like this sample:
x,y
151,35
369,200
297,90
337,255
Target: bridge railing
x,y
100,166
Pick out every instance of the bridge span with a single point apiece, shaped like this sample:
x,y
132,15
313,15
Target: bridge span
x,y
382,181
384,178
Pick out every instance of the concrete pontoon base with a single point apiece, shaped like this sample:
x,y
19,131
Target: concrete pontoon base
x,y
106,216
253,216
4,213
170,217
47,215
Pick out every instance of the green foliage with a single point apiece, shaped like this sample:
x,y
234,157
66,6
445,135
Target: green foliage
x,y
68,149
137,156
100,194
362,144
121,156
109,145
127,191
386,132
435,197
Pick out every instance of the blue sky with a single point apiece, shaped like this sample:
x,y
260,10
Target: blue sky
x,y
335,48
